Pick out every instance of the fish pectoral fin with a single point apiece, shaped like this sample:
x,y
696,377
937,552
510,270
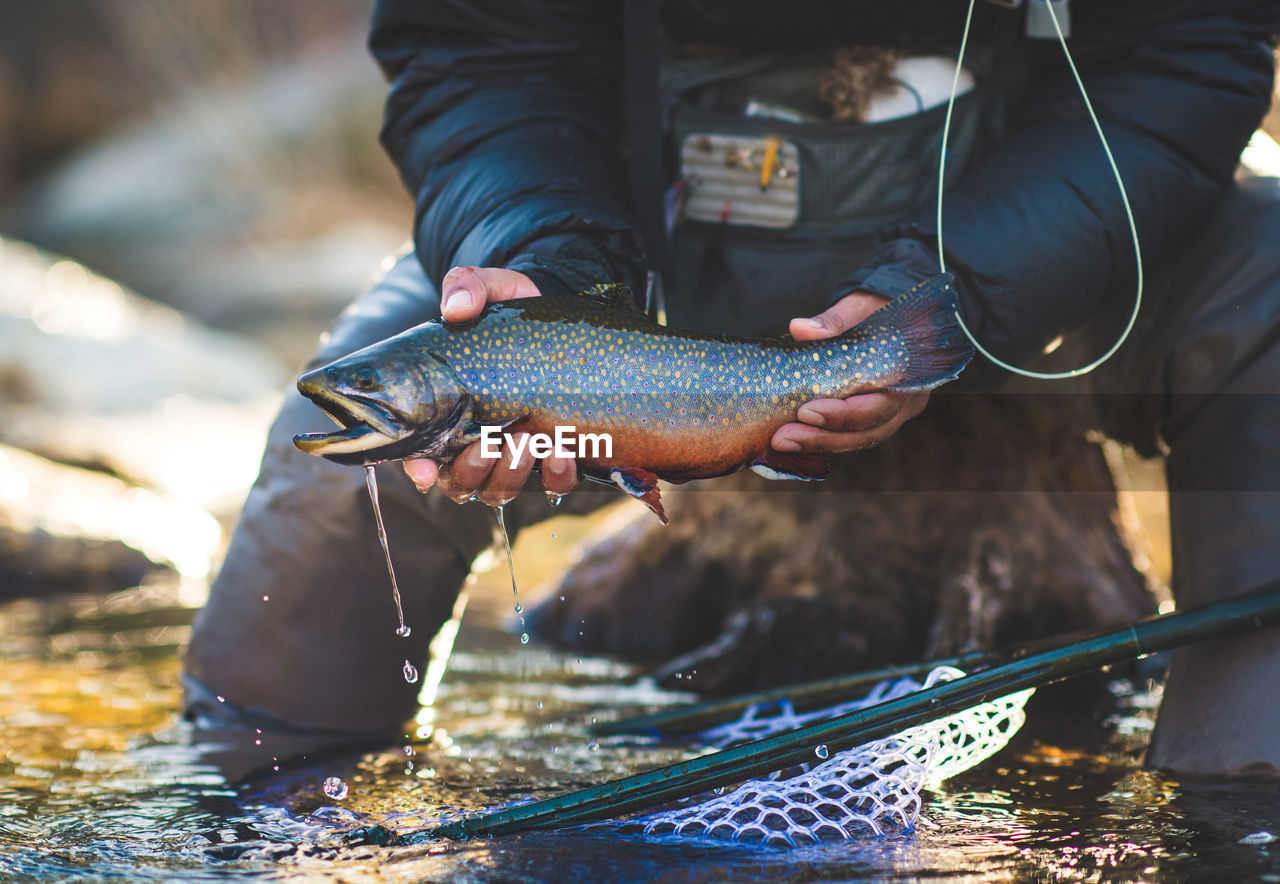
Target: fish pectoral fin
x,y
642,485
783,465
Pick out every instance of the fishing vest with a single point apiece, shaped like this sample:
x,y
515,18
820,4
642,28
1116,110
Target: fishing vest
x,y
766,211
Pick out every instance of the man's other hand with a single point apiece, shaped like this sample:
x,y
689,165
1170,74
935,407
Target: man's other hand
x,y
839,425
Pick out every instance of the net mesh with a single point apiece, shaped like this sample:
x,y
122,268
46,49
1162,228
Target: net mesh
x,y
870,789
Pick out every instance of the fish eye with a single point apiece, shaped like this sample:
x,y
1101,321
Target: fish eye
x,y
366,379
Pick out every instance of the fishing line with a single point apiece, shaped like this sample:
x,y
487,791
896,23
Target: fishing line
x,y
1124,197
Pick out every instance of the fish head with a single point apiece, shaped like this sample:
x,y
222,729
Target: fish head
x,y
390,400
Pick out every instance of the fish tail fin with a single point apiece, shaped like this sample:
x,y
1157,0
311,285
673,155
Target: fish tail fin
x,y
925,317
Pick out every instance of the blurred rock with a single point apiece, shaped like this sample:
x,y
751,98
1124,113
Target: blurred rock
x,y
265,200
94,375
36,563
51,515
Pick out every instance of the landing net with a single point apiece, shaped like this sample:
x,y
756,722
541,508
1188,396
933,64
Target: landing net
x,y
873,789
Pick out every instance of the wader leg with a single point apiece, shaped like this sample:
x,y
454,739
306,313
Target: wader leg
x,y
1221,709
299,629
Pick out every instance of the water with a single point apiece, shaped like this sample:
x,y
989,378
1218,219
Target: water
x,y
96,782
335,788
499,514
371,480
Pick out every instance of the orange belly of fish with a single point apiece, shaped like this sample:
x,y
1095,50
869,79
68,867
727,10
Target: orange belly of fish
x,y
676,453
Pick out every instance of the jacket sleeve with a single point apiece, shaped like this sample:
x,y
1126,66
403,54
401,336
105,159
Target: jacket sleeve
x,y
503,121
1036,231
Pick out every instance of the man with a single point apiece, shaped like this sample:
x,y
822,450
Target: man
x,y
504,119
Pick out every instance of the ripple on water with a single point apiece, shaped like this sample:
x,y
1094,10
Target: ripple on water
x,y
95,781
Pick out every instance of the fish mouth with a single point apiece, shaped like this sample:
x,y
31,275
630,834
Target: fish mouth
x,y
365,425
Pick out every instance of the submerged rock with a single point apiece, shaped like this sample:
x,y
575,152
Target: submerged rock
x,y
950,537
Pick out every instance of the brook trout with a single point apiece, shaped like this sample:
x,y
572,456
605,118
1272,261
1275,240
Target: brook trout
x,y
678,405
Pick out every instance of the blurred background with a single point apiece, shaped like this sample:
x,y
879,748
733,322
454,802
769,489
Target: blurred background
x,y
189,192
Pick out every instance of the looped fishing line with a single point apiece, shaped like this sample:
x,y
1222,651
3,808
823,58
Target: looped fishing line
x,y
1124,197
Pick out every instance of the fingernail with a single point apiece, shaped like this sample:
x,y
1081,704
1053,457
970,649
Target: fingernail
x,y
459,300
811,416
786,445
813,323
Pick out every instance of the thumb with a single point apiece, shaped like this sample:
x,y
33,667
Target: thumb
x,y
466,291
814,328
838,318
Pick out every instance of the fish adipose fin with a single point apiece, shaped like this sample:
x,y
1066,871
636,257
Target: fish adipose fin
x,y
642,485
925,317
781,465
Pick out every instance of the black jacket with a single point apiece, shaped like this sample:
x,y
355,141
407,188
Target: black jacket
x,y
504,119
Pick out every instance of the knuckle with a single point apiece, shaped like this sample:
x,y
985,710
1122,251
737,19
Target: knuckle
x,y
458,274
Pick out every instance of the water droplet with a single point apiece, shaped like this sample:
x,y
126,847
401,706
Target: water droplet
x,y
553,535
221,699
266,598
554,499
335,788
404,631
408,750
822,751
410,673
593,746
500,515
593,719
257,742
539,704
371,482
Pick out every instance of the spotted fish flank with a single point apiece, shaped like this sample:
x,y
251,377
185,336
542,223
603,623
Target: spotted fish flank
x,y
679,405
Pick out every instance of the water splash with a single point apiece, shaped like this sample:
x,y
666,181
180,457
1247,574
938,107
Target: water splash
x,y
511,566
335,788
371,480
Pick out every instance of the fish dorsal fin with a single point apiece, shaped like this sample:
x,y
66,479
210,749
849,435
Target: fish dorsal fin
x,y
610,294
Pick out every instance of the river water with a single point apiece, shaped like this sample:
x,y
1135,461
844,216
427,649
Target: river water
x,y
97,781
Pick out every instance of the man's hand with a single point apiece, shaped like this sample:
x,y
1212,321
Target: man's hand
x,y
464,294
839,425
